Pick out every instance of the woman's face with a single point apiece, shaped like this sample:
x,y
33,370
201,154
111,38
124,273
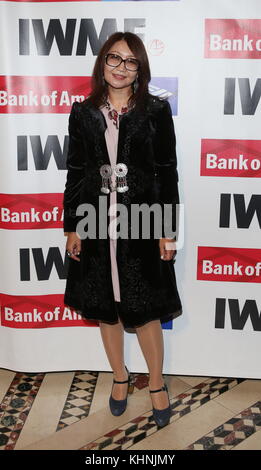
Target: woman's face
x,y
119,76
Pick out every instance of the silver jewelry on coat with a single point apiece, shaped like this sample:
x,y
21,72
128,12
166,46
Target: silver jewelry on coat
x,y
106,172
120,170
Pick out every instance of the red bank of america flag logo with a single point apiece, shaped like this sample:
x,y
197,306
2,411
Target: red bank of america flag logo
x,y
38,311
233,38
231,158
229,264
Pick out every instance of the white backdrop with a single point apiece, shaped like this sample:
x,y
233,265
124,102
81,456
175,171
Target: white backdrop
x,y
197,49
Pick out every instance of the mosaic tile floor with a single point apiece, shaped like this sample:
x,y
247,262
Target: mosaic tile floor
x,y
69,410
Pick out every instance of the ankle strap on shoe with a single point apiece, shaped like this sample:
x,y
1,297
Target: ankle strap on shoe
x,y
119,382
124,381
164,388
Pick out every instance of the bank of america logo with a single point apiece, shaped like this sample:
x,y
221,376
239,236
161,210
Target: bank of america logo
x,y
157,91
167,88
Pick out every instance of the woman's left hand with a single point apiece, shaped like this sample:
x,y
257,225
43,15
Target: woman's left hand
x,y
167,248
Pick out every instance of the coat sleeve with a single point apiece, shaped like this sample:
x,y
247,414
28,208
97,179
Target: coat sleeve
x,y
75,173
166,166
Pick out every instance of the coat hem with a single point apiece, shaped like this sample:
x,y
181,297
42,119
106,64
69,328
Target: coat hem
x,y
164,318
78,310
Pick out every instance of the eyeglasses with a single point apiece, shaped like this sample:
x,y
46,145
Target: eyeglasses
x,y
113,60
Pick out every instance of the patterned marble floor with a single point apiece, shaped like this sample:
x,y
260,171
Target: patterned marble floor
x,y
69,411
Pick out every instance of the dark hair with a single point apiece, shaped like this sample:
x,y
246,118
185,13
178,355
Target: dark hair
x,y
99,90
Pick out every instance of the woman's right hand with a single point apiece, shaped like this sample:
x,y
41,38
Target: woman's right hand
x,y
73,245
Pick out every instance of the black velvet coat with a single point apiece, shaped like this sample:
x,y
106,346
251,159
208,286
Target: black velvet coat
x,y
147,146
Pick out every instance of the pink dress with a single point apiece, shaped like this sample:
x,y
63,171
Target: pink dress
x,y
111,137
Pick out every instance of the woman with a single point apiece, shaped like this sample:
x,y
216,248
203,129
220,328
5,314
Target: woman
x,y
122,150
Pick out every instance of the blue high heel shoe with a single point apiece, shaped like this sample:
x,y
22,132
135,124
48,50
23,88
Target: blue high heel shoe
x,y
162,417
118,407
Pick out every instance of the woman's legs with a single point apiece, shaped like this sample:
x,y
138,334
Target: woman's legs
x,y
150,338
113,340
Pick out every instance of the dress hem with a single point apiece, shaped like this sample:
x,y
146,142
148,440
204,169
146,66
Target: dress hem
x,y
164,318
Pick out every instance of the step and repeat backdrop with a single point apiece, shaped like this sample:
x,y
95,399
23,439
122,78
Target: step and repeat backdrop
x,y
205,58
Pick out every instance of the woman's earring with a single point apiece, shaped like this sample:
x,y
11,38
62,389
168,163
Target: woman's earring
x,y
135,84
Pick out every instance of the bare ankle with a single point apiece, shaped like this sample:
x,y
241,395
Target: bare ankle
x,y
156,382
120,374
